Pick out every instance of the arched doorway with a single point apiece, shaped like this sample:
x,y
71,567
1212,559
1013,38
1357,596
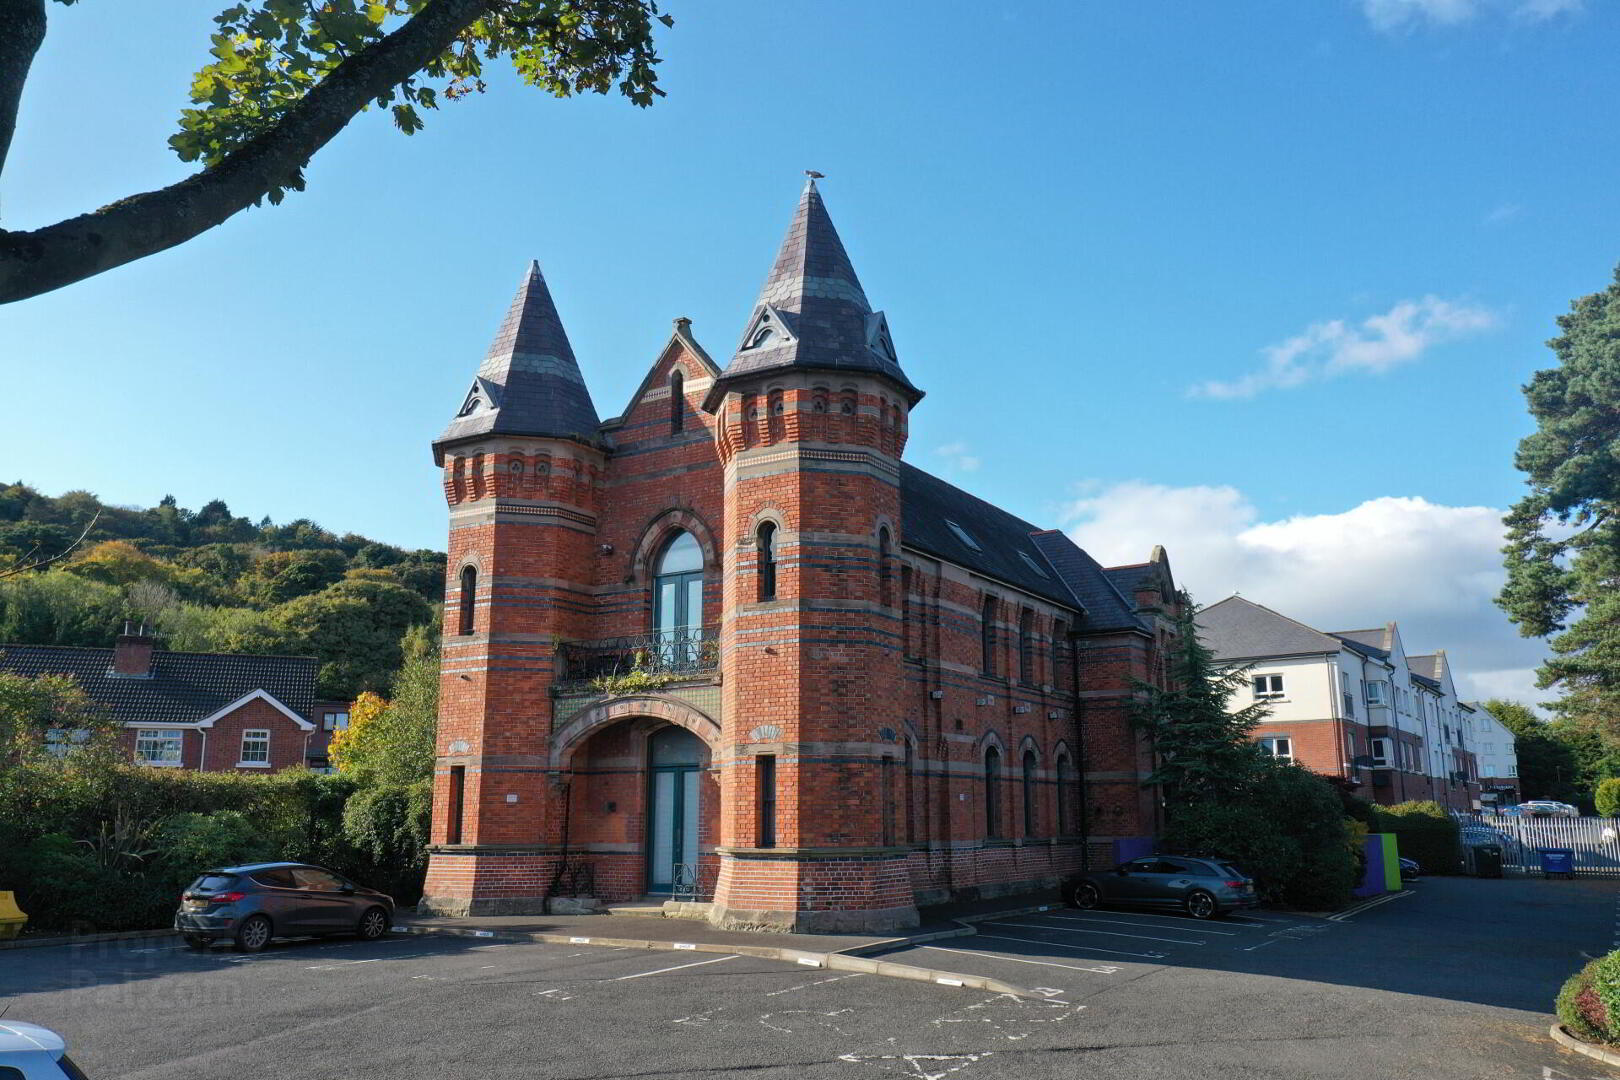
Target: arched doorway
x,y
676,759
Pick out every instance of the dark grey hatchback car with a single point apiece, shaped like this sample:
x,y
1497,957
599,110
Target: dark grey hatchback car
x,y
1201,887
251,904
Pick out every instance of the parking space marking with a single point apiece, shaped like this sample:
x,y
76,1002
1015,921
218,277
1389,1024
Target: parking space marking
x,y
1353,912
677,967
1238,921
1075,948
1263,944
1145,926
1105,969
1103,933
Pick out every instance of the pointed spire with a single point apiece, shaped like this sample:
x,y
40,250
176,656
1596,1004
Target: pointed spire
x,y
812,311
529,383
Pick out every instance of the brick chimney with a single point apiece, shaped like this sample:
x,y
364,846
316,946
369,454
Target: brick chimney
x,y
132,655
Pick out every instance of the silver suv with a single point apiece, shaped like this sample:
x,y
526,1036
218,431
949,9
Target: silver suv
x,y
249,905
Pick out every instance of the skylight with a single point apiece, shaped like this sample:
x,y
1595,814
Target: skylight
x,y
963,535
1033,565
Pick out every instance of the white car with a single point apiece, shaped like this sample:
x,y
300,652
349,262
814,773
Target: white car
x,y
30,1052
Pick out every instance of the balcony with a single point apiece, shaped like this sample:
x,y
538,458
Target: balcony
x,y
642,663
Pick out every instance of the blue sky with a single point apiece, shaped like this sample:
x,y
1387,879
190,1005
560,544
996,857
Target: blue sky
x,y
1259,281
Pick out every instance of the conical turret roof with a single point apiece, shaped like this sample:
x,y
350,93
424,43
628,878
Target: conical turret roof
x,y
812,312
529,383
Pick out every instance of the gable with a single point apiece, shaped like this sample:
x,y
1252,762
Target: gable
x,y
1236,629
647,413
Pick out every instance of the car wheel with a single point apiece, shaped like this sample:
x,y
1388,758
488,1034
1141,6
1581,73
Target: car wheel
x,y
1087,896
198,942
253,935
1201,905
373,924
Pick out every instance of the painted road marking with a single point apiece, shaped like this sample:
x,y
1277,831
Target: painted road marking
x,y
802,986
677,967
1075,948
1104,933
683,945
1263,944
809,961
579,941
1106,969
1145,926
1353,912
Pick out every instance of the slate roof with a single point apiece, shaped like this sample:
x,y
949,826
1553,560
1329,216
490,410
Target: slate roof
x,y
1424,680
183,687
529,383
1237,629
1373,639
1427,666
1045,563
1364,649
1126,578
817,309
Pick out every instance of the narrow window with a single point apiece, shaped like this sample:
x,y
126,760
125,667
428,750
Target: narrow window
x,y
1060,631
1029,793
886,795
907,648
1065,778
469,593
987,637
1026,647
677,403
883,568
765,541
458,788
992,792
908,794
765,790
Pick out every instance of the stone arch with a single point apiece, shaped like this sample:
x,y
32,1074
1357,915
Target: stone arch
x,y
990,738
1028,743
658,530
639,707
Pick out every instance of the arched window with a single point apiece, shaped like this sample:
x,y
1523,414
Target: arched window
x,y
883,568
908,636
987,637
765,541
1030,814
677,402
678,599
992,792
1026,647
469,597
909,793
1065,782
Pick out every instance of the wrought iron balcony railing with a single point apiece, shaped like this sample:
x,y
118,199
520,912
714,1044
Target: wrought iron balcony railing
x,y
670,653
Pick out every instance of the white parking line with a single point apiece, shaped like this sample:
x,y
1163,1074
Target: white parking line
x,y
677,967
1145,926
1357,910
1074,948
1103,933
1108,970
1238,921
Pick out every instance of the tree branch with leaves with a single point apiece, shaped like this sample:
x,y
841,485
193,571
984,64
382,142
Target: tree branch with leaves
x,y
287,76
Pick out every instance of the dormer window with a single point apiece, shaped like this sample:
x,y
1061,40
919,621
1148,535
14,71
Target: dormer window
x,y
762,337
963,535
474,403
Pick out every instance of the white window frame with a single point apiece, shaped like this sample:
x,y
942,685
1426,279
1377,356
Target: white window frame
x,y
256,736
1279,746
1378,746
165,736
1373,691
1275,682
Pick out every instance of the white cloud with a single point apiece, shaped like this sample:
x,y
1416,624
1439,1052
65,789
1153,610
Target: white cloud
x,y
1328,350
1502,213
959,456
1390,16
1433,569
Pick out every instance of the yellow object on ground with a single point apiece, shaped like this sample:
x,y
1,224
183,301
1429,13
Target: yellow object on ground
x,y
11,916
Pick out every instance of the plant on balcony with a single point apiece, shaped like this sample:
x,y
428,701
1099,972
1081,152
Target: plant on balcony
x,y
640,679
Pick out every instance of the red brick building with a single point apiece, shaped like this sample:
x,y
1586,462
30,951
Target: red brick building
x,y
209,711
731,649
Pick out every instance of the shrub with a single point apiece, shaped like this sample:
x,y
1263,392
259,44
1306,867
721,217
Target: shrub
x,y
1425,832
191,843
1607,797
1579,1007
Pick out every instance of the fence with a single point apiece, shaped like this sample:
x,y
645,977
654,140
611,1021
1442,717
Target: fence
x,y
1521,837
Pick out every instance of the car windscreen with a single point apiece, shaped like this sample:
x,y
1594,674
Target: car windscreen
x,y
212,883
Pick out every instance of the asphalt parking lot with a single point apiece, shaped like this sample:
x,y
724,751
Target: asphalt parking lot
x,y
1451,981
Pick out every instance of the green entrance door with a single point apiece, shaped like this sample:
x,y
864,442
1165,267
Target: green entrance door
x,y
674,760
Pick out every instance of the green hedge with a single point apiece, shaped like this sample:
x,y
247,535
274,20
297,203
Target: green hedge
x,y
1425,832
1588,1005
111,848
